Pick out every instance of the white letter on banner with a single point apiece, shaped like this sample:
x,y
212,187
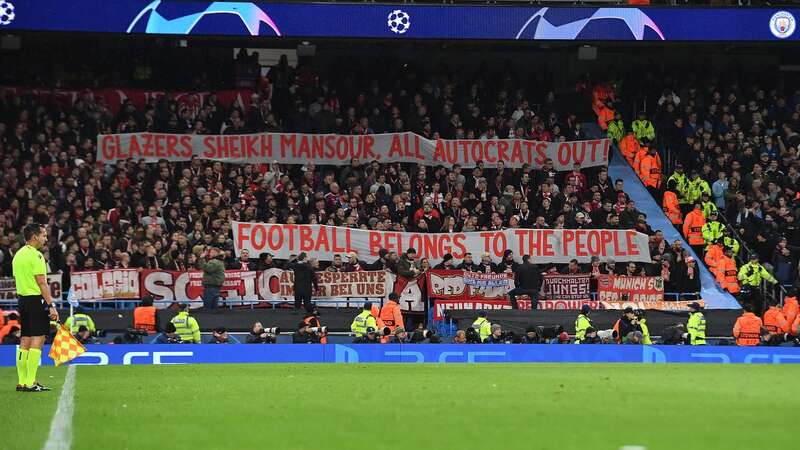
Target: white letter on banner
x,y
102,359
126,359
158,355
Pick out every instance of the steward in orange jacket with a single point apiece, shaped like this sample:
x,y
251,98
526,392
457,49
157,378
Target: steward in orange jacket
x,y
312,320
391,316
605,115
726,271
713,256
629,147
774,321
671,205
650,169
693,226
13,321
790,306
144,316
747,329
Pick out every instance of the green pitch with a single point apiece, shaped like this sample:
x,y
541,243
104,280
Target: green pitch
x,y
409,407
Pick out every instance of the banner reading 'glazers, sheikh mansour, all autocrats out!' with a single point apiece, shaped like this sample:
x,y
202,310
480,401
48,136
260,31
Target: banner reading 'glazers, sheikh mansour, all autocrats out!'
x,y
332,149
544,246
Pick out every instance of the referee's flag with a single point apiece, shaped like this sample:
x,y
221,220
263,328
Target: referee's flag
x,y
65,347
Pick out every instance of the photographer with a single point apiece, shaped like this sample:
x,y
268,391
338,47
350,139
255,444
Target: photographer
x,y
626,324
497,336
531,336
591,337
169,336
84,336
220,336
259,335
370,338
304,335
312,319
460,337
421,334
399,336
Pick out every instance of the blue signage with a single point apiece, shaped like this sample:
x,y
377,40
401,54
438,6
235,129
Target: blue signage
x,y
173,17
419,353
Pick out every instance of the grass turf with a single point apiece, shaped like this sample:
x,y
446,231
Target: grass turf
x,y
426,406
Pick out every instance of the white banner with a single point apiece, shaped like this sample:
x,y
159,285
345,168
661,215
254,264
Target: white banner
x,y
339,150
544,246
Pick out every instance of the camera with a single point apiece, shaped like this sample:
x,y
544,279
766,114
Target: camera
x,y
549,332
273,330
385,331
421,335
133,336
472,336
319,329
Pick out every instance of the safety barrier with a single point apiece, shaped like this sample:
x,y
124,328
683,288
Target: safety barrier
x,y
420,353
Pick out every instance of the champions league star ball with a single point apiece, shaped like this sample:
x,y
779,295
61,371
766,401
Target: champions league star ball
x,y
399,21
6,13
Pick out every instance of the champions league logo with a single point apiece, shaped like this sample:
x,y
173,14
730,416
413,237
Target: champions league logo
x,y
6,12
634,19
251,15
782,24
398,21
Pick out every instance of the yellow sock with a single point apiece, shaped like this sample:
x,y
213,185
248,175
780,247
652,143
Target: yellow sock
x,y
34,357
22,366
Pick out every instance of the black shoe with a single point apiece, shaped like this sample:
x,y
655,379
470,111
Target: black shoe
x,y
21,388
41,388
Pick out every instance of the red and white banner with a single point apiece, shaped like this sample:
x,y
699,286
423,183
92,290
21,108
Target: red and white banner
x,y
245,286
611,288
114,98
8,286
450,285
679,306
440,306
339,150
566,288
544,246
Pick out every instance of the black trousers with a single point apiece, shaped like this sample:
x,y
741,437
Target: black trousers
x,y
302,299
532,293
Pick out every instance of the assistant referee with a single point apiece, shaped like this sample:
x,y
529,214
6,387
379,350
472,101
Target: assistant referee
x,y
36,307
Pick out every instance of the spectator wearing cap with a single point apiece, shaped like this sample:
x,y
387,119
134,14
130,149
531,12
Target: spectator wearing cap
x,y
305,281
446,264
213,276
353,264
531,336
220,335
371,337
405,265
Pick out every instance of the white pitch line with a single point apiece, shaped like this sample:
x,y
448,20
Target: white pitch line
x,y
60,437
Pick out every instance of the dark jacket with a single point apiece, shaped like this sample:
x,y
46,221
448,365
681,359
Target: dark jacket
x,y
527,276
468,267
404,266
365,340
625,327
304,338
213,272
304,277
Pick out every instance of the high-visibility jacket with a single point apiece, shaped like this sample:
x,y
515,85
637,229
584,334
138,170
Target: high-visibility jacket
x,y
144,318
629,147
790,308
732,244
186,327
616,130
581,324
695,189
672,208
650,171
681,186
313,321
76,321
752,273
637,161
747,329
390,316
643,129
645,332
363,321
726,274
606,115
712,230
795,324
708,208
483,327
775,322
693,227
696,328
713,257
